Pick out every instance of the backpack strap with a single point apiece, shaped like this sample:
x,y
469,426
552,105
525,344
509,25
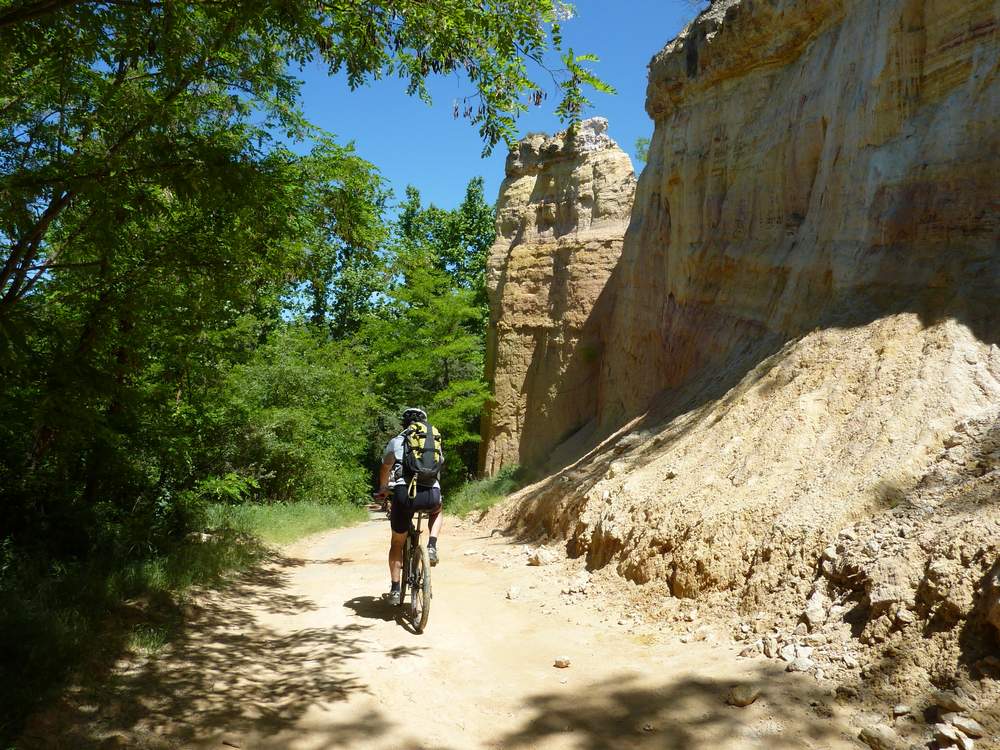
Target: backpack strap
x,y
429,440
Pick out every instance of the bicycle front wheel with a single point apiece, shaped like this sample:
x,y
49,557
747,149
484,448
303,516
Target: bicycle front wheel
x,y
420,589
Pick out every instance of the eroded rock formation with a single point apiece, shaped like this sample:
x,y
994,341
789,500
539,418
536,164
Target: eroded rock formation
x,y
561,217
813,163
800,370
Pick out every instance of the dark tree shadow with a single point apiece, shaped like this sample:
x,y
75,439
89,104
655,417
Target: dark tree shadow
x,y
687,714
223,671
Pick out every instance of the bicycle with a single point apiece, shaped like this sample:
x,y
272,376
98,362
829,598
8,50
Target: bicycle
x,y
417,576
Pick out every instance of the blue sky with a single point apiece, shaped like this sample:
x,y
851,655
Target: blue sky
x,y
413,143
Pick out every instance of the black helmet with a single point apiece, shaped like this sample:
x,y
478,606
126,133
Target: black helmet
x,y
413,415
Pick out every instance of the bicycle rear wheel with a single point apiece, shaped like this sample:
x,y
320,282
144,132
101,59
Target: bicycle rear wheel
x,y
406,570
420,589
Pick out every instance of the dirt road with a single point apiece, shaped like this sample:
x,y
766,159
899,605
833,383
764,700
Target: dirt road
x,y
303,655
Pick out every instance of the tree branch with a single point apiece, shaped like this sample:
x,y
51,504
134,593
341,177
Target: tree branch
x,y
33,11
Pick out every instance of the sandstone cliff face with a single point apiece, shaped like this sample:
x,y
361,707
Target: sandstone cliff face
x,y
561,217
813,162
800,374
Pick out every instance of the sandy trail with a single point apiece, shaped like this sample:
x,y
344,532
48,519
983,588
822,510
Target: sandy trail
x,y
302,654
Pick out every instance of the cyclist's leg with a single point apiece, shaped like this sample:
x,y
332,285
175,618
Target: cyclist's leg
x,y
399,521
435,520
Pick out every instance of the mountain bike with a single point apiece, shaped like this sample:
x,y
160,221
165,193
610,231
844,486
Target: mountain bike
x,y
416,576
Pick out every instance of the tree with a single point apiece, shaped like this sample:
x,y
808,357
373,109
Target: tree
x,y
98,93
642,149
430,334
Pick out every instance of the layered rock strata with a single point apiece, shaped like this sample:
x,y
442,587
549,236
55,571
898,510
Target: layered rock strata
x,y
814,162
561,217
801,348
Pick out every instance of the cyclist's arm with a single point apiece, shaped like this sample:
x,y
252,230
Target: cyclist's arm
x,y
383,478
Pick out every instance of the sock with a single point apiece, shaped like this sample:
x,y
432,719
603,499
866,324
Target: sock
x,y
432,542
395,586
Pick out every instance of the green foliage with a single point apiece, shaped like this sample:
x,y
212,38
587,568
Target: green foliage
x,y
574,100
483,494
299,414
281,523
642,149
198,322
54,616
429,336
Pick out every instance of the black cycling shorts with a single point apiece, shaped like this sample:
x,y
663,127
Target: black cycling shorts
x,y
403,506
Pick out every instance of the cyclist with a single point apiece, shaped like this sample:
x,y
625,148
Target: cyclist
x,y
428,499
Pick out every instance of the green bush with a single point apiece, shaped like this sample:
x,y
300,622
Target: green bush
x,y
281,522
483,494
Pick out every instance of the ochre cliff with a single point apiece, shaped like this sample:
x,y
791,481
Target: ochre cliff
x,y
799,388
561,217
813,163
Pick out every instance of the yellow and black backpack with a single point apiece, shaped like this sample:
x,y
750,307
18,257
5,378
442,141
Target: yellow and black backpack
x,y
422,456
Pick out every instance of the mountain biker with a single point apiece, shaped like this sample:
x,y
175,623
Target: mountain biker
x,y
428,499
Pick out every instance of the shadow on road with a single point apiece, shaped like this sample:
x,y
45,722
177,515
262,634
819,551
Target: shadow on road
x,y
373,608
232,673
689,713
223,672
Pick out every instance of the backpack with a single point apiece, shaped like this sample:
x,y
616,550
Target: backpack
x,y
422,456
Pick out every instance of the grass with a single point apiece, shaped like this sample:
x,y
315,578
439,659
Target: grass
x,y
57,619
282,523
483,494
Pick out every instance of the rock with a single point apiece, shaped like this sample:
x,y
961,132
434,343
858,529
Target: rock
x,y
881,737
950,701
742,695
905,617
770,647
578,584
964,724
565,198
801,629
799,665
787,652
817,610
803,652
542,556
891,582
615,469
561,662
946,735
752,650
513,592
901,709
850,661
991,598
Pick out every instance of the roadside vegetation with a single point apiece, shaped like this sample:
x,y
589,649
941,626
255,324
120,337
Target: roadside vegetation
x,y
284,522
212,312
482,494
